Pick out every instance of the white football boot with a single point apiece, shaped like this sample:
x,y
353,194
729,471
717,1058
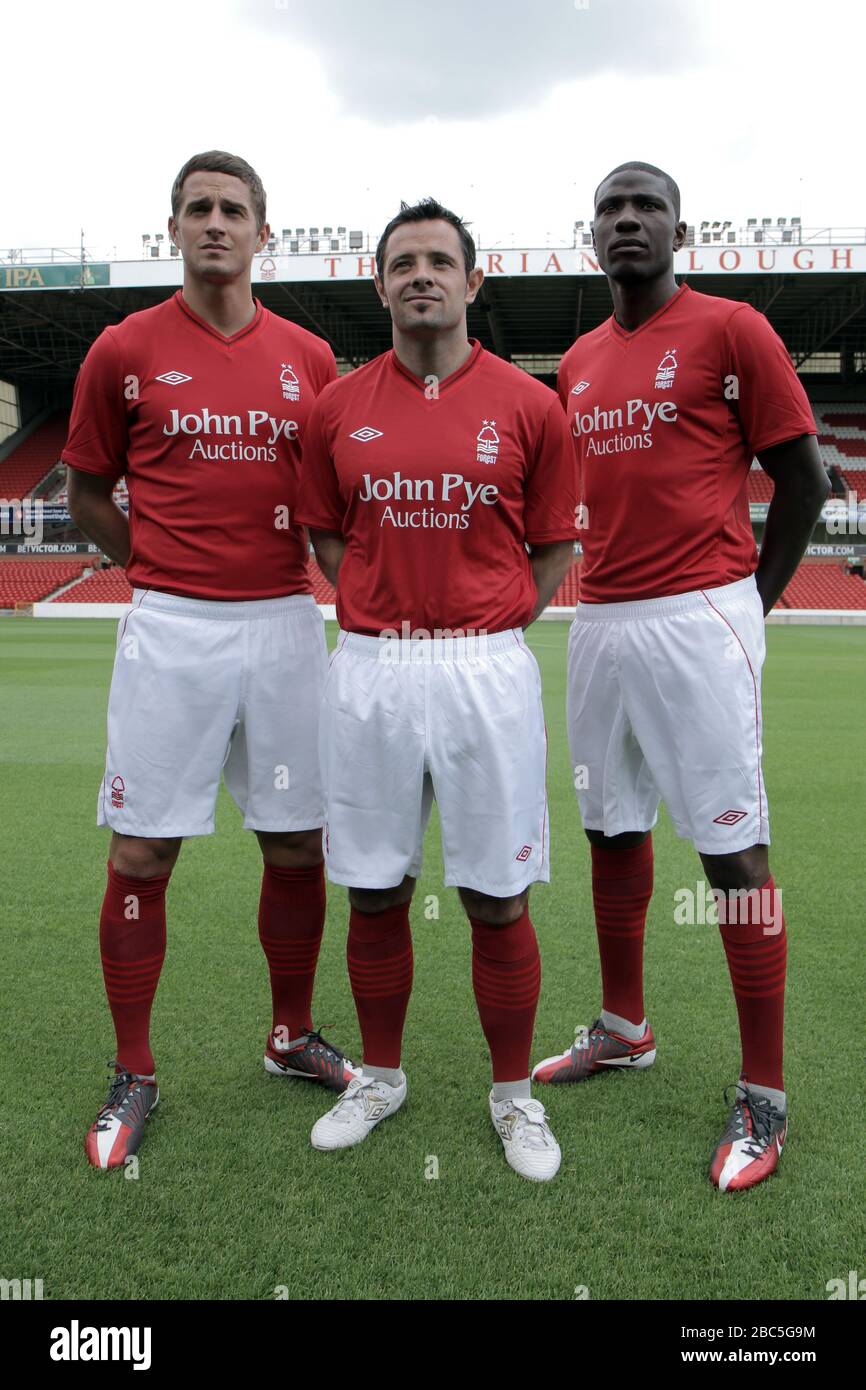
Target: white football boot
x,y
362,1105
529,1145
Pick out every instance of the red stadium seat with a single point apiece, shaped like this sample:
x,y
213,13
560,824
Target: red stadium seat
x,y
29,580
28,464
821,584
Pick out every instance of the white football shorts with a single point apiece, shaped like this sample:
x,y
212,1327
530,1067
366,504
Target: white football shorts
x,y
664,704
455,718
202,688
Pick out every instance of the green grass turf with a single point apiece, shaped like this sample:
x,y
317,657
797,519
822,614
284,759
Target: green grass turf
x,y
231,1201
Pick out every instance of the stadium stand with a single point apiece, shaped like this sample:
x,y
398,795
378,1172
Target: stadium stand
x,y
35,456
110,586
842,441
761,485
28,581
823,584
103,586
566,594
818,584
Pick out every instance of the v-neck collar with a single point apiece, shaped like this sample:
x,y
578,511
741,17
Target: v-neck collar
x,y
214,332
626,337
421,385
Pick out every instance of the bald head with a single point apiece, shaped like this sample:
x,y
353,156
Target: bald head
x,y
635,165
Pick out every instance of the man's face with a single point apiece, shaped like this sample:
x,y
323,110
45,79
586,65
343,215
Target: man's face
x,y
216,226
635,231
424,283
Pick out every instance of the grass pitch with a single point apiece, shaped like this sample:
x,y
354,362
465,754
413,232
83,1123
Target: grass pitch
x,y
230,1199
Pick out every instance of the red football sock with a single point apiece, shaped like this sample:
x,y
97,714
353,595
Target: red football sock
x,y
379,952
291,921
132,946
622,885
506,977
756,945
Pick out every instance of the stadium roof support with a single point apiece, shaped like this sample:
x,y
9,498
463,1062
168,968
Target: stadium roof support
x,y
328,322
767,292
823,320
578,313
488,301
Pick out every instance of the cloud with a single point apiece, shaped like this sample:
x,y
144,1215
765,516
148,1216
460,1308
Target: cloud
x,y
404,60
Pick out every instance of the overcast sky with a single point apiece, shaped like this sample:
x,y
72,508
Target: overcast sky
x,y
509,111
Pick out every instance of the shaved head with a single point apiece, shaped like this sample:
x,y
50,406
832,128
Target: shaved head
x,y
673,191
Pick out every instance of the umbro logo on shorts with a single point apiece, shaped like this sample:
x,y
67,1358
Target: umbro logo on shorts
x,y
524,853
173,378
730,817
366,433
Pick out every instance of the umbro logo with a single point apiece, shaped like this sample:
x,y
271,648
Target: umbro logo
x,y
366,433
581,386
730,818
375,1107
173,378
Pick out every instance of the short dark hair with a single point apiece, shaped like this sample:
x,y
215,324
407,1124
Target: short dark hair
x,y
220,162
670,185
428,210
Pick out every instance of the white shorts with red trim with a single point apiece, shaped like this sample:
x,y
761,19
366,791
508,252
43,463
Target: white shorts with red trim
x,y
205,688
664,704
458,719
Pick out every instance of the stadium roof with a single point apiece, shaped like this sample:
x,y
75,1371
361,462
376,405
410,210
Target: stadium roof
x,y
532,305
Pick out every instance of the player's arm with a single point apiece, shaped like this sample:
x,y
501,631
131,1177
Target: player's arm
x,y
802,487
550,506
319,505
778,423
328,547
94,511
95,452
550,564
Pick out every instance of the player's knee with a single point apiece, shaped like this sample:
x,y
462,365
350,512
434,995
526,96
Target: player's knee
x,y
497,912
296,849
371,900
630,839
749,868
143,858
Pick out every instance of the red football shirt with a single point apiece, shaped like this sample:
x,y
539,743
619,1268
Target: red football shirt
x,y
665,422
436,495
208,431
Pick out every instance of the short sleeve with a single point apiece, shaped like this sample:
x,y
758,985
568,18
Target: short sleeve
x,y
562,384
550,499
761,383
98,435
319,502
330,365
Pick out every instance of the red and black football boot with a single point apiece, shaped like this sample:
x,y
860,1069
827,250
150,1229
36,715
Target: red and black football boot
x,y
751,1146
310,1059
118,1129
594,1052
